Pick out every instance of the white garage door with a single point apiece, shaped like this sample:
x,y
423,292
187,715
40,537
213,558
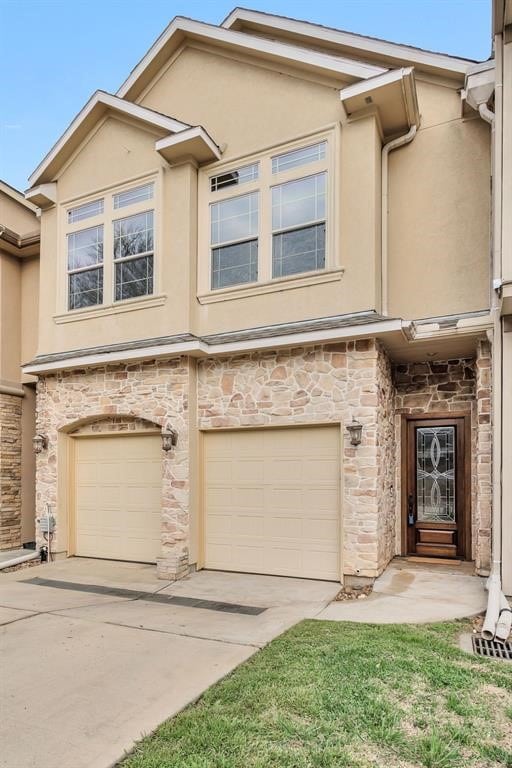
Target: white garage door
x,y
272,501
118,497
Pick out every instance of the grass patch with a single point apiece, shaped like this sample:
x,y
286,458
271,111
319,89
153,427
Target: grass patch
x,y
330,695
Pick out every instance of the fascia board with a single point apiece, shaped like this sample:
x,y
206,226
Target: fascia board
x,y
357,89
422,58
296,55
99,103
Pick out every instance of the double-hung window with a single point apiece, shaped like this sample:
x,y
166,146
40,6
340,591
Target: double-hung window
x,y
234,241
133,256
298,225
110,248
268,219
85,267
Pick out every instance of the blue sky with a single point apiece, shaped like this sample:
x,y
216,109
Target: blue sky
x,y
58,52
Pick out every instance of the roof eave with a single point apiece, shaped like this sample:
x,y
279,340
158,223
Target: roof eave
x,y
295,55
389,53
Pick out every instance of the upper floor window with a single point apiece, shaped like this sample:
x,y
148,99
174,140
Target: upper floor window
x,y
85,211
234,241
112,258
298,226
277,226
233,178
85,267
135,195
133,256
298,157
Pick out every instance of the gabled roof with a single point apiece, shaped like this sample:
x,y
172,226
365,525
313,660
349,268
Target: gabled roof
x,y
99,103
338,41
182,28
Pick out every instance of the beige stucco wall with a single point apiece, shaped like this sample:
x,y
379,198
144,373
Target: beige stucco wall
x,y
16,216
439,212
10,318
438,225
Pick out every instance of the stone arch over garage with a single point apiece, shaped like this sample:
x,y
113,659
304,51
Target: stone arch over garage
x,y
150,395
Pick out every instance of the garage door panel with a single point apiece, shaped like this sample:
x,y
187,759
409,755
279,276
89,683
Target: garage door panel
x,y
284,520
285,498
248,526
320,530
248,497
322,499
278,468
248,470
118,496
218,471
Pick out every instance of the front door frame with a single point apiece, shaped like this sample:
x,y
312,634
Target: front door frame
x,y
437,416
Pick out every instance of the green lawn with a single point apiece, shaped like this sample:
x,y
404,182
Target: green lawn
x,y
326,695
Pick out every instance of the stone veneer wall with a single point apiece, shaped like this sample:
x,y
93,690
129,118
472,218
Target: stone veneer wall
x,y
386,460
483,457
10,471
451,386
156,391
321,384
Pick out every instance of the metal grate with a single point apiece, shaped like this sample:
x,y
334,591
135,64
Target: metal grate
x,y
492,649
152,597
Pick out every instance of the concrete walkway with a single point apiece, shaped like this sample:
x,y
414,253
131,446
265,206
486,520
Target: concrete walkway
x,y
413,593
95,654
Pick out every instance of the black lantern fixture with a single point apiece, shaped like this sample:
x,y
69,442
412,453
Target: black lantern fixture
x,y
355,429
169,439
40,443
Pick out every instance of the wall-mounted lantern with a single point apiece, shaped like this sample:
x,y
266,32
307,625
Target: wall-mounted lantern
x,y
355,429
169,439
40,443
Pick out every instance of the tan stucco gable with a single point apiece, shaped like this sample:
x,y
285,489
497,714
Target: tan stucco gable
x,y
96,108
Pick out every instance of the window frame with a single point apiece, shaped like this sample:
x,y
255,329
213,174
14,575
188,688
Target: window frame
x,y
266,181
107,218
227,243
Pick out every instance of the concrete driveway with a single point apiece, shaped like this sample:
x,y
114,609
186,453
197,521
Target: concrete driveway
x,y
95,654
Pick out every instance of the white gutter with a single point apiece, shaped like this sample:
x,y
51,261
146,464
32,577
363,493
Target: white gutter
x,y
498,618
18,560
387,148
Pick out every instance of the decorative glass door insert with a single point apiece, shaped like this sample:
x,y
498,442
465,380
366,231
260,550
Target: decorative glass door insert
x,y
435,474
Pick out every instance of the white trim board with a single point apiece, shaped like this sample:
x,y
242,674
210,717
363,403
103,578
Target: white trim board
x,y
347,40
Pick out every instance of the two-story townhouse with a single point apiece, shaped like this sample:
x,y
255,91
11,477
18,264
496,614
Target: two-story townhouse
x,y
19,293
265,309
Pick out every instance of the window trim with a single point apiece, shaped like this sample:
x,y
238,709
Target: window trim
x,y
107,218
264,184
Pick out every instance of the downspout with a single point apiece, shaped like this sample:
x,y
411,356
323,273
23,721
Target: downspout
x,y
498,618
20,559
386,149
